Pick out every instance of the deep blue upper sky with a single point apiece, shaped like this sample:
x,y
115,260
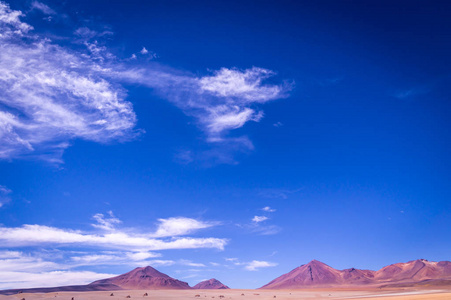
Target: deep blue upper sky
x,y
259,134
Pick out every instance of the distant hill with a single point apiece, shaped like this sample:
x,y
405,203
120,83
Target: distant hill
x,y
210,284
317,274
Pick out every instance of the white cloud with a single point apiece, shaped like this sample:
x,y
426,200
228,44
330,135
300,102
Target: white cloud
x,y
42,7
34,235
179,226
258,219
106,223
244,85
4,195
10,254
230,117
257,264
17,280
119,258
144,51
138,256
232,259
14,260
10,23
259,226
189,263
265,230
268,209
86,34
159,262
51,95
252,265
216,110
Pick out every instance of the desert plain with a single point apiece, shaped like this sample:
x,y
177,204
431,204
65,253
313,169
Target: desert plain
x,y
369,293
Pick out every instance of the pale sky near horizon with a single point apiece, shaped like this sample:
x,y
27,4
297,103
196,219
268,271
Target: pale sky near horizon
x,y
226,139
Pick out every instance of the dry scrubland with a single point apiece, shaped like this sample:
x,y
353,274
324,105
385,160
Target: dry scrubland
x,y
388,294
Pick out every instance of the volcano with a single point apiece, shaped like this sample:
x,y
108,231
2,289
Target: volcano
x,y
143,278
210,284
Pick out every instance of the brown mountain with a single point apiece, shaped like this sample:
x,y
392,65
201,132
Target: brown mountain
x,y
415,270
315,273
312,274
210,284
139,278
143,278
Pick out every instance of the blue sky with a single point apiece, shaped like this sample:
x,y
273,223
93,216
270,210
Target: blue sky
x,y
227,139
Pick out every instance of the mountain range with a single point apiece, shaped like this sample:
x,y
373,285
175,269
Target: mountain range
x,y
314,274
318,274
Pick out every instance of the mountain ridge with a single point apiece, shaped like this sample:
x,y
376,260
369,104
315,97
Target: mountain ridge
x,y
318,274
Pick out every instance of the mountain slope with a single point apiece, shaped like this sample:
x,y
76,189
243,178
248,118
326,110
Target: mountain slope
x,y
311,274
210,284
144,278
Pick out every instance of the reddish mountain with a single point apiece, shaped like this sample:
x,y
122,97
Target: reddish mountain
x,y
315,273
210,284
143,278
312,274
415,270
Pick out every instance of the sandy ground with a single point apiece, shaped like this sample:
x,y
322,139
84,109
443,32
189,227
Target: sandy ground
x,y
392,294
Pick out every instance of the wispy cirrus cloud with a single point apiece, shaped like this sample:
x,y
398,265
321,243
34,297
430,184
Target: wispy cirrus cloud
x,y
277,193
105,222
42,7
52,94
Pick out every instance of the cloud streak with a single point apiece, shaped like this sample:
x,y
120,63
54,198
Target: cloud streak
x,y
12,279
257,264
167,236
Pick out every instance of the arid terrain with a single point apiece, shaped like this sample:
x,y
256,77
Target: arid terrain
x,y
386,294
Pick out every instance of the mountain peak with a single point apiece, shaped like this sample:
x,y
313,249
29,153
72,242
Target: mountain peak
x,y
210,284
144,277
315,262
